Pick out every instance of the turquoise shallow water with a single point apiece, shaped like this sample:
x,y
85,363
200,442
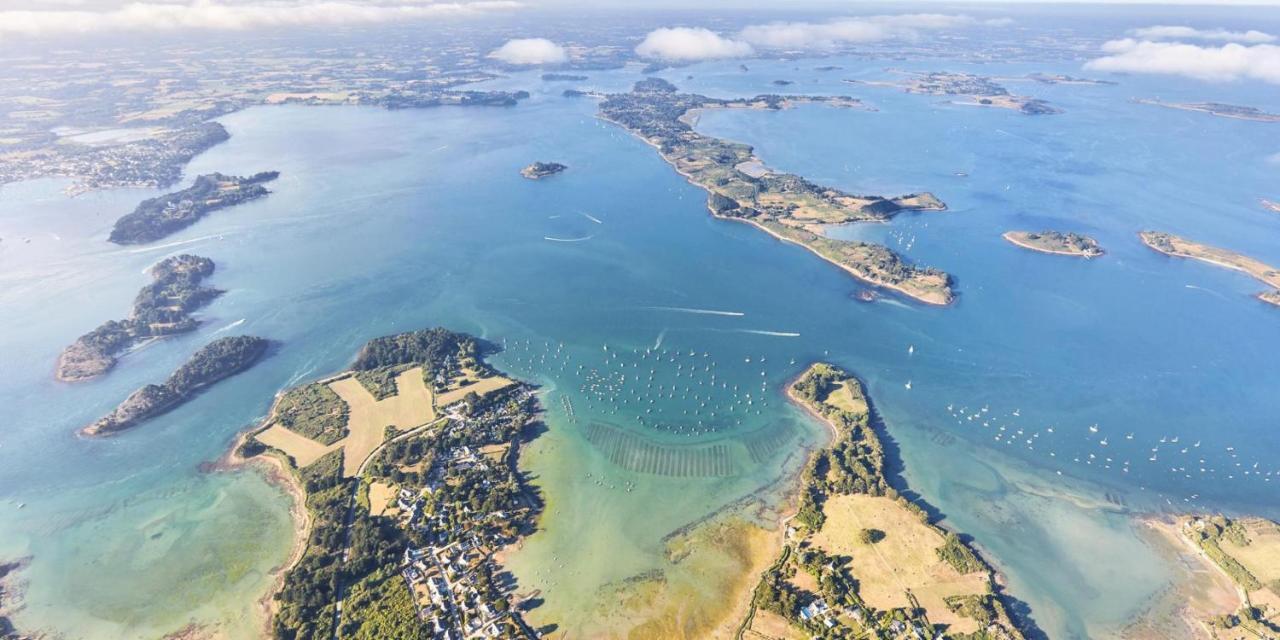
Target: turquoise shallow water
x,y
388,221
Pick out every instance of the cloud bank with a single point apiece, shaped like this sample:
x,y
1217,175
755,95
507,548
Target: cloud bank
x,y
530,51
1166,32
844,31
688,44
210,15
1228,62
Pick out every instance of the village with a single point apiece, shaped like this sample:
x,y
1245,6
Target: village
x,y
409,466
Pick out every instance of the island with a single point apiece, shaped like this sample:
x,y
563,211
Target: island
x,y
158,217
557,77
1067,244
539,170
407,468
1238,559
162,308
861,560
1058,78
215,361
1172,245
788,207
979,90
1217,109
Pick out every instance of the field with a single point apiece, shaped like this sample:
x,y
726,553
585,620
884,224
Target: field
x,y
480,387
380,496
367,421
302,449
1261,557
843,399
904,562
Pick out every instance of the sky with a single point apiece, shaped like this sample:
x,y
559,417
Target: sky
x,y
1206,51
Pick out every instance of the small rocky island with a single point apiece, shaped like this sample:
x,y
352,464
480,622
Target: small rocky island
x,y
561,77
161,308
1068,244
1178,247
158,217
539,170
217,360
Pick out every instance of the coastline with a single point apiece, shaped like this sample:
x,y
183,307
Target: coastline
x,y
1199,590
276,472
848,588
1256,269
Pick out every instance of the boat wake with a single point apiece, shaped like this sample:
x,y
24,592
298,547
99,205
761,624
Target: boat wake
x,y
568,239
1208,291
705,312
231,326
169,245
592,218
762,332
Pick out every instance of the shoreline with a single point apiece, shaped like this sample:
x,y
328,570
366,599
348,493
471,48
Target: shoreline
x,y
277,473
861,278
1270,296
1166,537
1012,239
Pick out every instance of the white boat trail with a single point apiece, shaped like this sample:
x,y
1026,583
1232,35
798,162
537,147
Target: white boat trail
x,y
231,326
583,238
705,312
175,244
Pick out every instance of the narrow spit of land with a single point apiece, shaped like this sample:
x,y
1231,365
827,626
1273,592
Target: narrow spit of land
x,y
1179,247
786,206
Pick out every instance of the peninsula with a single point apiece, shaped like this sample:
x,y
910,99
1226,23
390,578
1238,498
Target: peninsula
x,y
215,361
539,170
859,559
1182,248
977,90
1218,109
786,206
161,308
408,468
1068,244
158,217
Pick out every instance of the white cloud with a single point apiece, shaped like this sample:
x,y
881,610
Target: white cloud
x,y
1166,32
1214,64
685,43
210,15
530,51
843,31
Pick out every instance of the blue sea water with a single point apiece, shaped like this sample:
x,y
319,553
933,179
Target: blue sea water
x,y
388,221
